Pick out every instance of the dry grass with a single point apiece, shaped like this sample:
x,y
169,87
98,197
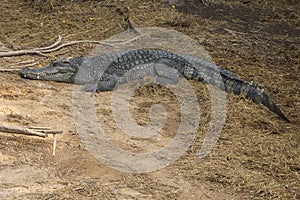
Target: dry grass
x,y
258,154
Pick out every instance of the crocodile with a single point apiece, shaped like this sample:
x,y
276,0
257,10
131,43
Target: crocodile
x,y
104,73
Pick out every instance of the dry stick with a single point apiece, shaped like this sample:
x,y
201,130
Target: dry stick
x,y
20,53
9,70
75,42
30,65
54,145
17,130
15,69
48,130
26,62
40,128
29,131
51,48
51,131
37,131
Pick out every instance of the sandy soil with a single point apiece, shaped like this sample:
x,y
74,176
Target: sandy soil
x,y
257,155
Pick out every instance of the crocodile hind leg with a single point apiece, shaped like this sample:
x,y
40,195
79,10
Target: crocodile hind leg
x,y
165,75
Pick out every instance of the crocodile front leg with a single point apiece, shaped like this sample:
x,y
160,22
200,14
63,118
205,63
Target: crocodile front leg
x,y
108,83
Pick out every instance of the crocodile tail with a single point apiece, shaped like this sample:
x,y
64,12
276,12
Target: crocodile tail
x,y
209,73
258,95
253,92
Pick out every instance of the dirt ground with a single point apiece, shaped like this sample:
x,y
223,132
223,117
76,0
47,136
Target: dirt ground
x,y
257,155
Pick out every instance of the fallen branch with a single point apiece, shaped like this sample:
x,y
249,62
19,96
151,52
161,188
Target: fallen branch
x,y
75,42
28,131
15,69
20,53
9,70
48,49
51,46
36,131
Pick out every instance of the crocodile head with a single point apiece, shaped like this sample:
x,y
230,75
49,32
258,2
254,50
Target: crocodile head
x,y
61,70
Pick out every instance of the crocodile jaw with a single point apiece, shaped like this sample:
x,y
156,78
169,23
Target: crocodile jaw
x,y
55,71
46,74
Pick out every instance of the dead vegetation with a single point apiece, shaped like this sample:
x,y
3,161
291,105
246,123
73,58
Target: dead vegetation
x,y
257,156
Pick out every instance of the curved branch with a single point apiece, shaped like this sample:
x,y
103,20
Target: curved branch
x,y
75,42
48,49
51,46
20,53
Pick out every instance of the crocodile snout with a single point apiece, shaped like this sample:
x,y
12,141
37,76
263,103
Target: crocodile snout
x,y
23,71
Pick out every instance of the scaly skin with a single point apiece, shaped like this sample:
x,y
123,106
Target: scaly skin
x,y
105,72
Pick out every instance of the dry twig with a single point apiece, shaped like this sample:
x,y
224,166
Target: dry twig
x,y
234,32
48,49
36,131
41,132
9,70
54,145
